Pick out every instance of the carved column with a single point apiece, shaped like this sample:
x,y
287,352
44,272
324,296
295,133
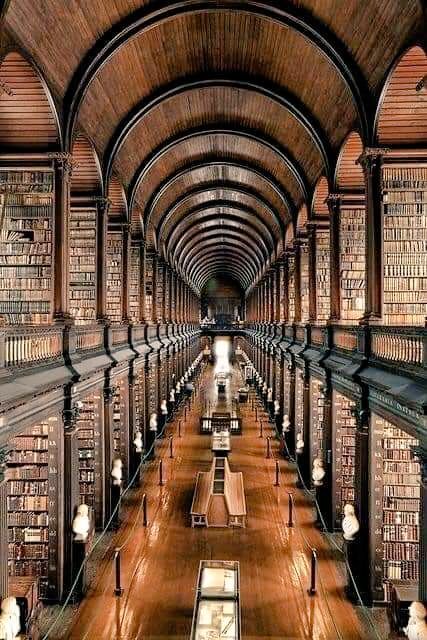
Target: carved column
x,y
102,208
62,164
334,206
364,551
142,283
71,488
297,281
108,393
421,453
371,161
3,525
277,296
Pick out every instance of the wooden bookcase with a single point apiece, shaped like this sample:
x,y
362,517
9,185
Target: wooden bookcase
x,y
33,503
405,244
134,283
317,418
344,453
323,288
26,245
395,506
299,404
83,264
352,262
304,282
139,401
120,422
91,453
114,276
291,288
149,264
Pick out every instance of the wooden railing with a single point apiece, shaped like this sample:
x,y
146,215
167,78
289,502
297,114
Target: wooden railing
x,y
344,338
318,336
89,337
119,334
402,345
24,346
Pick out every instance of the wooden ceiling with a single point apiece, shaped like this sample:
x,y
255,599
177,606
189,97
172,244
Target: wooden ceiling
x,y
214,120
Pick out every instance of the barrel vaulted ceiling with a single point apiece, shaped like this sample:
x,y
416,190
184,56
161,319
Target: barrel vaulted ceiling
x,y
213,120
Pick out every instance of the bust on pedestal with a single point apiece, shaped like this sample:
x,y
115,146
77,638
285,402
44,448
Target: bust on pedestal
x,y
318,476
81,527
10,624
417,625
350,528
116,488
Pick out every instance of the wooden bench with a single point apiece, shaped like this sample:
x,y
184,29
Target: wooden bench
x,y
201,499
235,498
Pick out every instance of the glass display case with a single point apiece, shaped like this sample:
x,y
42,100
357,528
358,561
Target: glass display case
x,y
217,604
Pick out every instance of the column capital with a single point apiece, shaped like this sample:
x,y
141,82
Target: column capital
x,y
63,162
371,158
103,204
4,453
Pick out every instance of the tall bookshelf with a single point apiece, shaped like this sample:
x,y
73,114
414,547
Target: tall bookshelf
x,y
120,430
159,291
396,479
287,381
305,284
83,265
299,402
26,245
352,262
291,288
149,263
114,276
134,283
33,505
405,244
90,452
278,379
344,455
317,417
139,401
323,304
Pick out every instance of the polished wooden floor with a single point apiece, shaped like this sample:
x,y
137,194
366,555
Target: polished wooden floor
x,y
160,562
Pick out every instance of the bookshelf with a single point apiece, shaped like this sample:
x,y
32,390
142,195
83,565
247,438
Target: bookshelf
x,y
323,306
405,244
163,376
317,416
151,381
344,455
26,245
352,262
287,390
139,401
396,506
32,505
278,378
299,403
305,284
149,263
114,276
120,430
134,283
83,265
291,288
90,446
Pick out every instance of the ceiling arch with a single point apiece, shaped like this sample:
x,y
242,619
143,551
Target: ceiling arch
x,y
228,255
166,148
218,240
349,172
206,216
224,263
144,20
221,170
222,227
86,177
212,194
300,115
213,269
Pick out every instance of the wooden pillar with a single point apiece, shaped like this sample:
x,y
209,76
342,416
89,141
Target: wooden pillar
x,y
126,269
371,161
422,587
334,205
362,485
167,279
108,449
286,289
102,208
311,238
277,293
142,283
62,164
173,296
71,491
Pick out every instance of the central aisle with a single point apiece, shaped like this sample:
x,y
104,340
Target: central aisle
x,y
160,563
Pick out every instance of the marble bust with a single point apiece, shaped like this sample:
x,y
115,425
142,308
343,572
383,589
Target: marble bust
x,y
350,524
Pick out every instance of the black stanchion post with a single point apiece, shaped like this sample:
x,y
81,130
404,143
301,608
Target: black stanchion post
x,y
261,432
170,446
268,447
290,510
118,591
161,473
256,414
179,428
144,510
312,589
277,482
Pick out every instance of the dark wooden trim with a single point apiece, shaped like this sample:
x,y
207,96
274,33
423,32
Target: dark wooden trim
x,y
140,21
276,94
283,154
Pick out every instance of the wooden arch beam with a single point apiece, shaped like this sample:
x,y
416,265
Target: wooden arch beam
x,y
247,254
144,19
284,99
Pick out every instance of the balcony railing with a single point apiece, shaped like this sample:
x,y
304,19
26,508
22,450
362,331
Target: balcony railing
x,y
89,337
24,346
401,345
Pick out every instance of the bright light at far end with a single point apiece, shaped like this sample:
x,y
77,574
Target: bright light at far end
x,y
222,347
